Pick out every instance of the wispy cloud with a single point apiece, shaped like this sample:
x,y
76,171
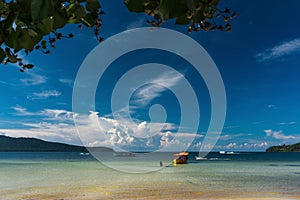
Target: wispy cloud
x,y
20,111
278,135
44,94
281,50
66,81
34,79
271,106
137,24
287,123
7,83
156,87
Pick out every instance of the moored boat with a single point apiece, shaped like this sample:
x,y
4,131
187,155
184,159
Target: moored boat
x,y
181,158
200,158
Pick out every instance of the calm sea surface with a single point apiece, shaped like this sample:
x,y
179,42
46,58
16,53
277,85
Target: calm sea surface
x,y
27,175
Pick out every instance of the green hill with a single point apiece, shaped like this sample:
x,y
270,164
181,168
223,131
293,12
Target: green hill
x,y
285,148
10,144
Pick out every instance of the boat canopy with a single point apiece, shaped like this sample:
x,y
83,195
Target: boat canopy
x,y
182,154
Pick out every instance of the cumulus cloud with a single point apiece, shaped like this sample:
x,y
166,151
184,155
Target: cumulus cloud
x,y
278,135
93,130
122,133
246,146
44,94
281,50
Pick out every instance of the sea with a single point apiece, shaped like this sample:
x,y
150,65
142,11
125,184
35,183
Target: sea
x,y
73,175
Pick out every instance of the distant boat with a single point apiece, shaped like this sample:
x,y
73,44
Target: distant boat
x,y
181,158
227,152
200,158
84,154
124,154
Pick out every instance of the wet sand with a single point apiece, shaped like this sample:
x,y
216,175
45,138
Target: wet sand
x,y
162,190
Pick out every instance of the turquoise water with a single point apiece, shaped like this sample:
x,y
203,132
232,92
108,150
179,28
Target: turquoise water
x,y
25,175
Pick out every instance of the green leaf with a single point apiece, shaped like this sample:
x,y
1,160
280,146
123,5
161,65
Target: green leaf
x,y
8,22
172,8
25,11
45,26
198,17
60,18
12,58
183,20
76,13
79,12
29,66
41,9
89,19
92,5
70,8
26,41
135,5
17,46
10,38
2,55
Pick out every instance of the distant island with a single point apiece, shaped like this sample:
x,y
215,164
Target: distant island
x,y
11,144
285,148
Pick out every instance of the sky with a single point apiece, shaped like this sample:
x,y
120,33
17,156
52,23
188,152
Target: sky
x,y
258,62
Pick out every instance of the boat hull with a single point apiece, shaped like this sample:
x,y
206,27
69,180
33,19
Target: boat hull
x,y
178,161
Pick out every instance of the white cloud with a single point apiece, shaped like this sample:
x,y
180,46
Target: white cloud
x,y
47,114
58,114
58,125
20,110
34,79
287,123
284,49
156,87
44,94
278,135
66,81
244,146
271,106
57,132
137,24
7,83
231,145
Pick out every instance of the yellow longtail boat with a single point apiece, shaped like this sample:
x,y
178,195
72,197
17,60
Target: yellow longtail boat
x,y
181,158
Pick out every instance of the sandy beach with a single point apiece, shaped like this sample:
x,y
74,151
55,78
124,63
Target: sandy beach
x,y
160,190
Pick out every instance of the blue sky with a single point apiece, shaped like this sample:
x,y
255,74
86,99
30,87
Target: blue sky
x,y
258,61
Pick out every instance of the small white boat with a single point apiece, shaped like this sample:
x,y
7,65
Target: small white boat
x,y
200,158
227,152
84,154
124,154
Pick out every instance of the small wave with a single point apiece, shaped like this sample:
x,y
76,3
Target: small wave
x,y
219,159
